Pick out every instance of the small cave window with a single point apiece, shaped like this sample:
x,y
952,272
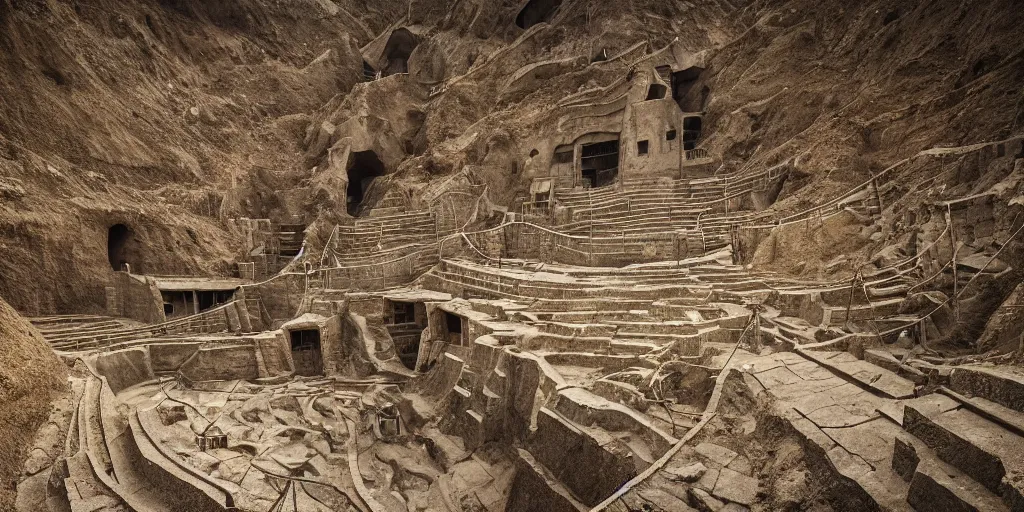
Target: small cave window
x,y
307,354
119,237
537,11
403,312
1000,150
656,92
670,135
642,147
453,323
534,153
363,168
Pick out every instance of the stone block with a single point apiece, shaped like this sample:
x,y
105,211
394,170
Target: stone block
x,y
736,487
904,458
688,473
716,454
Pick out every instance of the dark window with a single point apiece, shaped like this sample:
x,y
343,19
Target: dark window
x,y
656,92
670,135
641,147
453,323
404,313
1001,150
168,309
563,157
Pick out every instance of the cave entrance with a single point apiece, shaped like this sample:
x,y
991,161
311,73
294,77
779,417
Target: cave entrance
x,y
691,132
537,11
453,329
307,356
119,237
599,163
406,322
397,51
682,83
363,168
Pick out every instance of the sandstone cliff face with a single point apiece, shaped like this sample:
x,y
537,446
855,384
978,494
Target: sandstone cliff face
x,y
31,377
173,116
159,115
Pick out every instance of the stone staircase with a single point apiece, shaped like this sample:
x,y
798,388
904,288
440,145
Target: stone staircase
x,y
372,237
100,333
964,446
290,238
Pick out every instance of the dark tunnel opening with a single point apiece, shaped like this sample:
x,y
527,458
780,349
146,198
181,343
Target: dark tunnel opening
x,y
398,50
363,168
118,237
537,11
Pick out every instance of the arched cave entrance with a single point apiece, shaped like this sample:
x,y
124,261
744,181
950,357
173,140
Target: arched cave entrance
x,y
397,51
119,238
682,82
537,11
363,168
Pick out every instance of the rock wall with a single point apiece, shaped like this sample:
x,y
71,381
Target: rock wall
x,y
31,377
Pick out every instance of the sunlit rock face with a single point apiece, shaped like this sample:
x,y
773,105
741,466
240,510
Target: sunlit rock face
x,y
511,256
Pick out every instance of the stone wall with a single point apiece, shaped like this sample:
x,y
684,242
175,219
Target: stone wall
x,y
229,362
137,297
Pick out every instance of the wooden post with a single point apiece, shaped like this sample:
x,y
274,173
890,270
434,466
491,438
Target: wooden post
x,y
953,251
849,302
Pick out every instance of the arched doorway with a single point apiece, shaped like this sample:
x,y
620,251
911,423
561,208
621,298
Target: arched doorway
x,y
119,237
397,51
363,168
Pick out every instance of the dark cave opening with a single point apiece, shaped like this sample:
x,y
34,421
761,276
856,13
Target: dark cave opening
x,y
363,168
682,83
118,237
397,51
537,11
656,92
599,163
691,131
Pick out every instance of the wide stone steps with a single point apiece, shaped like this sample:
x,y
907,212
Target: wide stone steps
x,y
982,449
936,485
